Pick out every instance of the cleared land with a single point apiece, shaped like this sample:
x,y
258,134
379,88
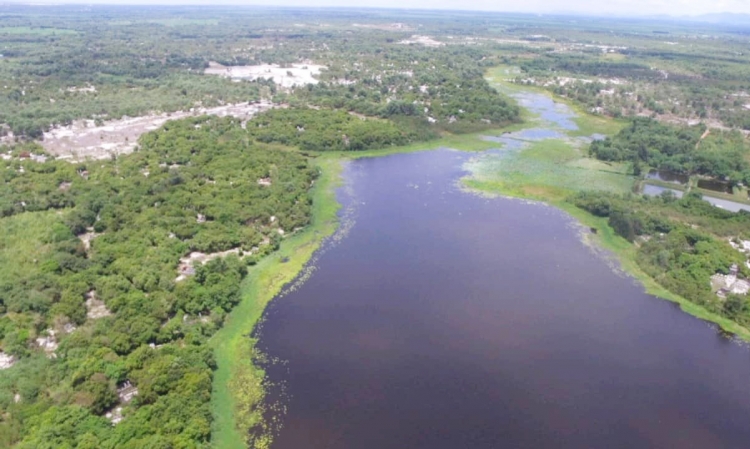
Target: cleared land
x,y
287,77
85,140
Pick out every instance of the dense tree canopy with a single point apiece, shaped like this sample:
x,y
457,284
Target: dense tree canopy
x,y
679,149
193,186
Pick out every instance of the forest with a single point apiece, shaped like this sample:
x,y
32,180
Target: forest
x,y
193,187
331,130
688,150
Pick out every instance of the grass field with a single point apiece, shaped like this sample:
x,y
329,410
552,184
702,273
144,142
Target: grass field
x,y
545,170
21,238
238,386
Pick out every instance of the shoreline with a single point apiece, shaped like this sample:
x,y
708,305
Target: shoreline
x,y
622,251
238,383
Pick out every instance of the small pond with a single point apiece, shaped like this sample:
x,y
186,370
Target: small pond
x,y
668,176
653,190
715,185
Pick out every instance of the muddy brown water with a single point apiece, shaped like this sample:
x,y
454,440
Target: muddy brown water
x,y
448,320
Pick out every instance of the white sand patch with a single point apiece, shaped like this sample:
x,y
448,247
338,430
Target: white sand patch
x,y
427,41
188,263
296,75
87,238
84,140
95,308
396,26
115,415
48,342
87,89
6,360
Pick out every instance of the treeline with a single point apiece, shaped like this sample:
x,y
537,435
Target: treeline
x,y
193,186
679,149
329,130
681,243
589,66
444,86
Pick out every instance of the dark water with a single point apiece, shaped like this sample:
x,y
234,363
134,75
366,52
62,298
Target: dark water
x,y
445,320
716,186
668,176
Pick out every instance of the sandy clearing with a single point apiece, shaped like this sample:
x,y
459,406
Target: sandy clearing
x,y
288,77
95,307
396,26
188,263
84,140
6,360
427,41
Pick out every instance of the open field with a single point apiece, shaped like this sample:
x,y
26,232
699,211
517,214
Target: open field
x,y
19,243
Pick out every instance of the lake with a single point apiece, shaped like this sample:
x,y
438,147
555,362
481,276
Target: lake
x,y
443,319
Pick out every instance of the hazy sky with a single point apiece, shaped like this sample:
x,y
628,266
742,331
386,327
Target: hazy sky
x,y
628,7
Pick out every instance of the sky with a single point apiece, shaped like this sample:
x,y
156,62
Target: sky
x,y
596,7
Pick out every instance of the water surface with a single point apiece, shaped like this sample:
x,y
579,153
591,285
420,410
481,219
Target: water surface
x,y
668,176
654,190
715,185
448,320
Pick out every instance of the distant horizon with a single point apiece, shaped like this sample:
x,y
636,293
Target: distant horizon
x,y
616,8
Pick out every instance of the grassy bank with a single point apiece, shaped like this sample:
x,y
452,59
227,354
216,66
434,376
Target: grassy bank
x,y
238,386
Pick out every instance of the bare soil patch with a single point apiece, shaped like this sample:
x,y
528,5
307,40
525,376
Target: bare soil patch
x,y
288,77
85,140
427,41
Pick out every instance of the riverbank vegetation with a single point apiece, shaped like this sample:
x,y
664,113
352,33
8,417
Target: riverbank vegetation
x,y
681,243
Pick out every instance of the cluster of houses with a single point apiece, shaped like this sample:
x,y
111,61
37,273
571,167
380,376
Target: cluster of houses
x,y
731,284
